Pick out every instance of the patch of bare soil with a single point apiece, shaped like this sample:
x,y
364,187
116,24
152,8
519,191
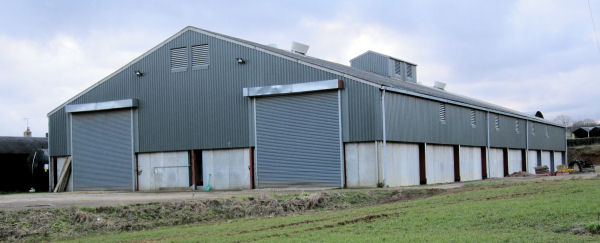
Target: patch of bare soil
x,y
44,224
521,174
589,153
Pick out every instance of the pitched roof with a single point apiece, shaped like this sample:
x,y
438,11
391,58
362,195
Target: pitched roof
x,y
354,73
22,145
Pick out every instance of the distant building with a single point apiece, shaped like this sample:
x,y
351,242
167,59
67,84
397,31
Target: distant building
x,y
203,108
586,132
22,160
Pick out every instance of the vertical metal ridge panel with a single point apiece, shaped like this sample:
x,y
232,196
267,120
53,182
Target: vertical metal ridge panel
x,y
57,129
506,135
372,62
298,140
554,140
364,112
412,119
103,150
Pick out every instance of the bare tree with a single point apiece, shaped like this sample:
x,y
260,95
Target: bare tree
x,y
584,123
564,120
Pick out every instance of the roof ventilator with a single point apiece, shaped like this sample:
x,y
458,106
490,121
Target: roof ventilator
x,y
299,48
439,85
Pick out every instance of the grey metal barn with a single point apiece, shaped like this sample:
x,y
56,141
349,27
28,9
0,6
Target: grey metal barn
x,y
203,108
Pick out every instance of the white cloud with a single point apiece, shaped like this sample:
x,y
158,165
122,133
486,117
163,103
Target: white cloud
x,y
37,76
341,39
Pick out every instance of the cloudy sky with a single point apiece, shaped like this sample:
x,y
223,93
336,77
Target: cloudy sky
x,y
525,55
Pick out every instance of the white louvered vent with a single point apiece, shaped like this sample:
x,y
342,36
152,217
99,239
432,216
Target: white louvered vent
x,y
398,67
517,126
409,72
533,129
179,59
473,118
443,113
547,134
200,57
497,121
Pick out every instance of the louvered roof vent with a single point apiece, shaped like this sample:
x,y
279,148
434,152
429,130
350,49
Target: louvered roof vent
x,y
386,65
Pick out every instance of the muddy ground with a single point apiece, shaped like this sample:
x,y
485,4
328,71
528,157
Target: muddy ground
x,y
57,223
22,201
586,152
81,213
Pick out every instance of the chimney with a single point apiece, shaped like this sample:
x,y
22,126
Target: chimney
x,y
27,133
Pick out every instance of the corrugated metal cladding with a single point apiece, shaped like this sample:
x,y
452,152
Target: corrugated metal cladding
x,y
57,133
372,62
204,109
553,139
507,132
298,140
411,119
103,150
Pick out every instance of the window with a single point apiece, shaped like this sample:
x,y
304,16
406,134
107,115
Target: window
x,y
443,113
517,126
473,119
179,59
497,121
200,57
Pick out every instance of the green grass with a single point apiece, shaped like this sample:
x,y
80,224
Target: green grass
x,y
519,211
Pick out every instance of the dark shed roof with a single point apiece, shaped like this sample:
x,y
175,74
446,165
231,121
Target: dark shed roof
x,y
22,145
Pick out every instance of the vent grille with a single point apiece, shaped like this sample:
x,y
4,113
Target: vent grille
x,y
409,71
443,113
398,67
497,121
547,134
517,126
179,59
473,118
533,129
200,55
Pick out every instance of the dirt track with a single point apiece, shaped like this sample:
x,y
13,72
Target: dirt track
x,y
91,199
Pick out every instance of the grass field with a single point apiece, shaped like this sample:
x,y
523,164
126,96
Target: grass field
x,y
498,211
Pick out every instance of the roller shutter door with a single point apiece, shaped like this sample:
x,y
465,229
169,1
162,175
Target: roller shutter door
x,y
102,150
298,140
